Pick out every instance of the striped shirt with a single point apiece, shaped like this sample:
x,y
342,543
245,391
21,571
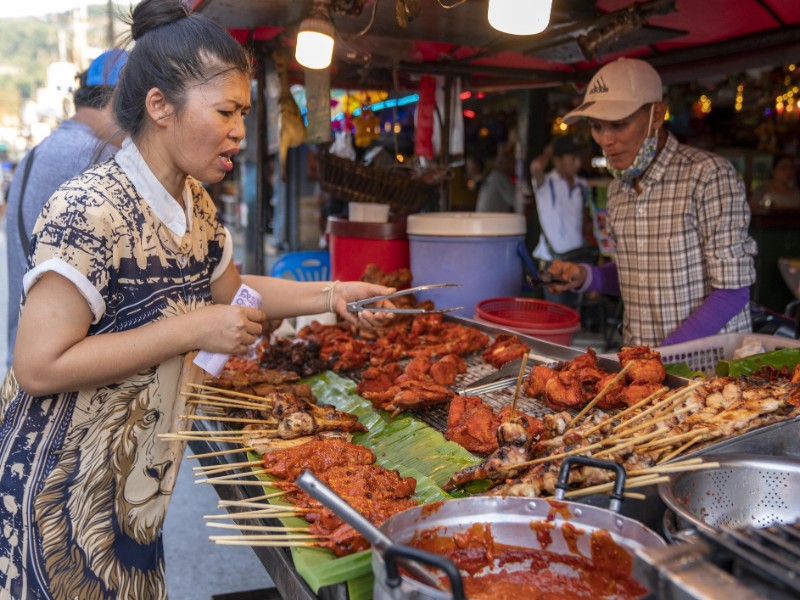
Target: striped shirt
x,y
683,234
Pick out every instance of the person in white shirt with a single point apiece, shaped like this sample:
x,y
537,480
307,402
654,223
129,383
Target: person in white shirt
x,y
561,200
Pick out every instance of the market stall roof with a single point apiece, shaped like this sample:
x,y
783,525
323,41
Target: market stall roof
x,y
684,39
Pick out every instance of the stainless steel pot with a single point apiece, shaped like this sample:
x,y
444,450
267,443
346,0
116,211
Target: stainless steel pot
x,y
512,522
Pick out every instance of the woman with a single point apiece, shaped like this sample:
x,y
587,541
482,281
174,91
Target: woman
x,y
780,190
130,272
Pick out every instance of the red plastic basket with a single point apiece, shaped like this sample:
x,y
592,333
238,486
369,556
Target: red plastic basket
x,y
527,312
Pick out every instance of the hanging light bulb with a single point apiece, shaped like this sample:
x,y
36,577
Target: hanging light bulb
x,y
520,17
314,46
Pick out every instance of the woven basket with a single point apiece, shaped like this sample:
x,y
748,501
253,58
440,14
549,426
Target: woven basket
x,y
355,182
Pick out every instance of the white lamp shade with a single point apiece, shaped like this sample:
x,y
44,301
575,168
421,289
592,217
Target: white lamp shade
x,y
520,17
314,48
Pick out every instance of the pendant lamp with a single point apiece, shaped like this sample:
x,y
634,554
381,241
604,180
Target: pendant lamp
x,y
314,46
520,17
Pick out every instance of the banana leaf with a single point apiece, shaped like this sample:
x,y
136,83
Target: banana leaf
x,y
405,443
788,357
681,369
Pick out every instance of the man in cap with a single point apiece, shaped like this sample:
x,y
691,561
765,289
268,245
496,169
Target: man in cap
x,y
678,215
88,137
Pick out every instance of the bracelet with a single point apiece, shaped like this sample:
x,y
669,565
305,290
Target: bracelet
x,y
328,290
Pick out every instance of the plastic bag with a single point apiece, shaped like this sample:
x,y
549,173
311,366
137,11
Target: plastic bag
x,y
343,146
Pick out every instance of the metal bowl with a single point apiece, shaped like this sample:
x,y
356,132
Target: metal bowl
x,y
747,490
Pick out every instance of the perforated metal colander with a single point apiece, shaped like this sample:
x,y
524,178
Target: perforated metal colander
x,y
747,490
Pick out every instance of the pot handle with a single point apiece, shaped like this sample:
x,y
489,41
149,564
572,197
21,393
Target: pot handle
x,y
399,551
617,495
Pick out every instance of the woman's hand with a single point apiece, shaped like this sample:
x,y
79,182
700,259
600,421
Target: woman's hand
x,y
350,291
227,329
573,273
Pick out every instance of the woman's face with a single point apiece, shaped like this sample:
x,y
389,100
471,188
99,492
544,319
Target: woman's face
x,y
621,140
784,171
210,127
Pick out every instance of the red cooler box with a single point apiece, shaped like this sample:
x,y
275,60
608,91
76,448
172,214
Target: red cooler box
x,y
355,244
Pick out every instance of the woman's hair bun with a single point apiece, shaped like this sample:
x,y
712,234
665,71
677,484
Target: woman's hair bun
x,y
149,14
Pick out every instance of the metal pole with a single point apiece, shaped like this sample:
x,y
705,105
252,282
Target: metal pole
x,y
110,30
262,176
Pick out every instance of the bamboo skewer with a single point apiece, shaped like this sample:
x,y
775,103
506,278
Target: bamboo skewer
x,y
662,417
195,398
227,466
265,544
223,432
232,392
627,411
261,512
684,448
248,504
600,395
673,438
634,496
544,459
257,498
675,468
659,468
275,528
627,443
175,437
636,482
261,483
520,377
269,536
231,476
229,419
669,400
221,452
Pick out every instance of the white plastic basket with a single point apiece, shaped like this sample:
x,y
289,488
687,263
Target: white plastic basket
x,y
703,354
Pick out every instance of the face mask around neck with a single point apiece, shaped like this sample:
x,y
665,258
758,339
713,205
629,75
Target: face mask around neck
x,y
643,158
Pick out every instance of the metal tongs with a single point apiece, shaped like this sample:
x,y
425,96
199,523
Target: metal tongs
x,y
361,305
535,276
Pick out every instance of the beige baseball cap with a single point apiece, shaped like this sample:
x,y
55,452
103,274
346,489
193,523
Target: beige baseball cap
x,y
617,90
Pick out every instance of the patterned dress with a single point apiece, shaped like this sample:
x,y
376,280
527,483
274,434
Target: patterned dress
x,y
84,478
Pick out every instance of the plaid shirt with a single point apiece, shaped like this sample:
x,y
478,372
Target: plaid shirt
x,y
685,233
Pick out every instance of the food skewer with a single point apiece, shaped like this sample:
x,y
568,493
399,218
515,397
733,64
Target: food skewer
x,y
242,527
268,537
224,401
269,511
520,377
681,465
221,452
658,419
600,395
683,448
225,467
627,411
260,399
636,482
544,459
261,483
229,419
251,504
667,401
674,438
266,544
631,442
231,476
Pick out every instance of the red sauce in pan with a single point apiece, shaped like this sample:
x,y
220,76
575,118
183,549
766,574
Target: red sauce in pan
x,y
535,574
